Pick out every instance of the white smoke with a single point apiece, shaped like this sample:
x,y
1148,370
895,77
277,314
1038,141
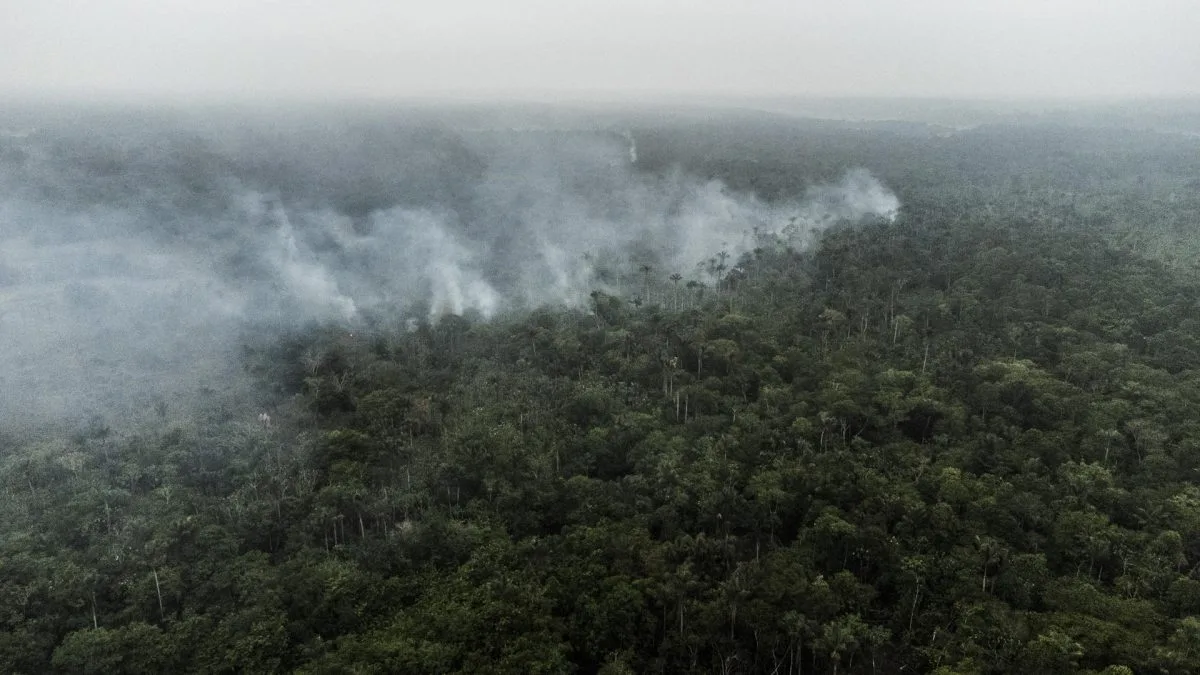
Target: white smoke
x,y
129,268
96,321
431,260
552,245
858,194
628,136
304,278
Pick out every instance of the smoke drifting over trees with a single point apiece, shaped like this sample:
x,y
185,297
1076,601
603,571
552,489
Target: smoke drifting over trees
x,y
135,254
962,439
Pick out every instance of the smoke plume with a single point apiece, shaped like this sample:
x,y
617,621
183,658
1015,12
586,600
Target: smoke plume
x,y
134,252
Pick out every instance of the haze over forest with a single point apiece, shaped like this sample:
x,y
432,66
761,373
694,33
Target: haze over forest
x,y
625,337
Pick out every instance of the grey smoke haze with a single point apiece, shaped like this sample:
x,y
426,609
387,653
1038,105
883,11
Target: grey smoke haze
x,y
370,48
136,255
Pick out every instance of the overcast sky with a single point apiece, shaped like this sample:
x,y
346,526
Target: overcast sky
x,y
395,48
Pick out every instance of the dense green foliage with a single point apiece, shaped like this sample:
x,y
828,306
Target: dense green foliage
x,y
963,442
